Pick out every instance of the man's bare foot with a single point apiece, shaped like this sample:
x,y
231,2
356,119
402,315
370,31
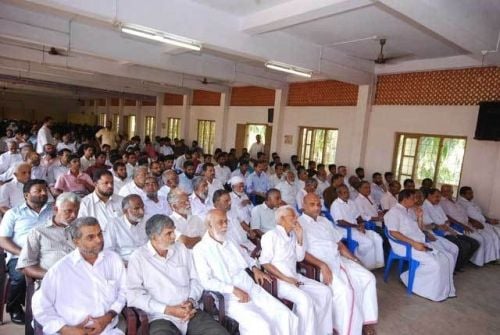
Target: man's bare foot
x,y
369,330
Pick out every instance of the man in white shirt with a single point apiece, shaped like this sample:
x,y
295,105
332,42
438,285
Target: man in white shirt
x,y
162,281
37,170
489,243
170,181
44,135
263,218
389,199
120,177
128,231
66,144
256,147
475,213
366,204
241,206
131,163
282,248
188,228
221,267
355,307
186,178
107,136
311,185
88,159
11,193
434,275
378,189
102,204
10,157
288,189
153,202
222,171
135,185
346,214
59,167
277,177
322,179
199,198
242,170
214,183
85,291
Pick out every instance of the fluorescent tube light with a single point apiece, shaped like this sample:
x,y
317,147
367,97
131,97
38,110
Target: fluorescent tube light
x,y
162,37
289,69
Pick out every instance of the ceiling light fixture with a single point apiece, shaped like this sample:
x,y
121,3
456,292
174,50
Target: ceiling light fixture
x,y
159,36
298,71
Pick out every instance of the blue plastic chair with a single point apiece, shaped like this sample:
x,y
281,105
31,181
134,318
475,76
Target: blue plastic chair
x,y
412,263
327,215
349,242
457,227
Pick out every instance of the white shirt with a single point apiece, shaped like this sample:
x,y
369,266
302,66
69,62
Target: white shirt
x,y
154,282
124,237
11,193
398,219
368,209
213,186
288,192
322,186
454,210
73,289
255,149
377,192
193,226
198,207
473,210
131,188
237,173
242,212
86,163
236,233
39,172
8,159
69,146
274,180
55,171
347,211
91,205
282,251
118,183
222,173
435,213
130,169
263,218
151,208
299,199
388,201
164,191
165,150
179,162
43,137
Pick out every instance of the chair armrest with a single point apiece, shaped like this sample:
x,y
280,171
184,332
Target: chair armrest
x,y
370,225
309,270
457,227
131,320
142,317
208,299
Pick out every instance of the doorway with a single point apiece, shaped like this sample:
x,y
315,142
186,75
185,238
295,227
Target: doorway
x,y
245,136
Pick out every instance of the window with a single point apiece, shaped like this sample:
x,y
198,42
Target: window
x,y
129,125
429,156
206,135
173,127
116,122
317,144
149,126
102,119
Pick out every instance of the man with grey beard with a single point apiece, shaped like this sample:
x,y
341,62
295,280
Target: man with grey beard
x,y
188,228
127,232
199,198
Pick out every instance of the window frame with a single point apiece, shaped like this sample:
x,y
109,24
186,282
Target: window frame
x,y
177,132
301,151
152,131
211,140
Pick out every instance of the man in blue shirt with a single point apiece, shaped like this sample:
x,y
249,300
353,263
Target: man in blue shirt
x,y
257,183
16,224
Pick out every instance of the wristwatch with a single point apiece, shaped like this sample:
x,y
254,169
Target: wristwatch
x,y
194,303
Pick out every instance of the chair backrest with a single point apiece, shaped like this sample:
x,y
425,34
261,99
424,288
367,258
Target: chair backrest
x,y
407,245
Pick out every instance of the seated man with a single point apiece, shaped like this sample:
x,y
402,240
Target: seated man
x,y
221,267
88,159
257,183
16,225
85,291
370,245
186,178
74,180
378,188
330,193
288,189
322,179
153,202
436,219
366,204
135,185
48,243
355,307
100,163
390,198
162,281
170,181
475,213
10,157
120,177
278,176
282,248
241,206
127,232
311,185
199,198
222,171
434,275
189,228
11,193
263,218
489,243
213,182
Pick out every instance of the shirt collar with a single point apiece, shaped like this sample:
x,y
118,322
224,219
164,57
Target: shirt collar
x,y
76,257
153,253
281,231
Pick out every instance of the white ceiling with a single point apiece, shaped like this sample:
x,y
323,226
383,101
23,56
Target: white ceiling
x,y
238,37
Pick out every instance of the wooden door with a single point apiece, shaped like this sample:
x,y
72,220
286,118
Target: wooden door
x,y
241,138
267,144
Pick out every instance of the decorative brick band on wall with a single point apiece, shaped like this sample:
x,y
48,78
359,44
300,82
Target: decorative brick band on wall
x,y
115,102
148,102
172,99
252,96
206,98
447,87
101,102
322,93
129,102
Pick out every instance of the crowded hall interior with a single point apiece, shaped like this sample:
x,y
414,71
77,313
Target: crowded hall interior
x,y
251,167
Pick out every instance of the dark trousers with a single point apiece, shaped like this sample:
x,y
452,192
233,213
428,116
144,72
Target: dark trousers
x,y
467,246
385,241
201,324
17,289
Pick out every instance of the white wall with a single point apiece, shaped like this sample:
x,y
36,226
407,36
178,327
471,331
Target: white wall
x,y
481,166
257,114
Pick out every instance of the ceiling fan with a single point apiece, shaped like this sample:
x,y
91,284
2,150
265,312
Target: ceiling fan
x,y
382,59
205,81
56,52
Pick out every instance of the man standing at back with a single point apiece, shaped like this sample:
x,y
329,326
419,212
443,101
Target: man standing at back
x,y
44,135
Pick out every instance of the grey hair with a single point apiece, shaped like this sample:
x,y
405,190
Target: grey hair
x,y
156,224
84,221
67,197
197,181
19,165
166,173
311,181
137,169
173,196
209,217
282,211
126,200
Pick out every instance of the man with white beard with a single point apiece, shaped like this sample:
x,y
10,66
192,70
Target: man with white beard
x,y
221,267
188,228
241,206
199,198
282,248
355,308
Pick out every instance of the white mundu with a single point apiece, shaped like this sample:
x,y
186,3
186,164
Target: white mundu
x,y
475,212
221,267
353,287
312,300
367,206
489,243
369,250
434,276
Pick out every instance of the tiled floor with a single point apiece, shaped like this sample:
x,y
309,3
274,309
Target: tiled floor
x,y
475,311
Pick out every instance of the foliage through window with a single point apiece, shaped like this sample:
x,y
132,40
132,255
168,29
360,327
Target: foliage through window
x,y
130,125
317,144
116,122
252,131
206,135
102,119
149,126
173,127
429,156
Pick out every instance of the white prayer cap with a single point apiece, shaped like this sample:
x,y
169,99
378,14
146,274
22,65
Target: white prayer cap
x,y
236,180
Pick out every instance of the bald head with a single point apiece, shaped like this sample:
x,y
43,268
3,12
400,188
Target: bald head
x,y
22,171
312,205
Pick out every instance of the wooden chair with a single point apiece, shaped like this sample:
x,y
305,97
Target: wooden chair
x,y
4,284
213,304
309,270
28,313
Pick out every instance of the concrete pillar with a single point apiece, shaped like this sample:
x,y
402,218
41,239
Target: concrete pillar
x,y
280,101
225,101
159,124
359,134
121,102
187,100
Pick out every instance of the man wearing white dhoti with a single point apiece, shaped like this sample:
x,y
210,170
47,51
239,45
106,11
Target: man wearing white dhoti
x,y
475,213
222,267
188,228
355,308
282,248
346,214
84,292
162,281
434,275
